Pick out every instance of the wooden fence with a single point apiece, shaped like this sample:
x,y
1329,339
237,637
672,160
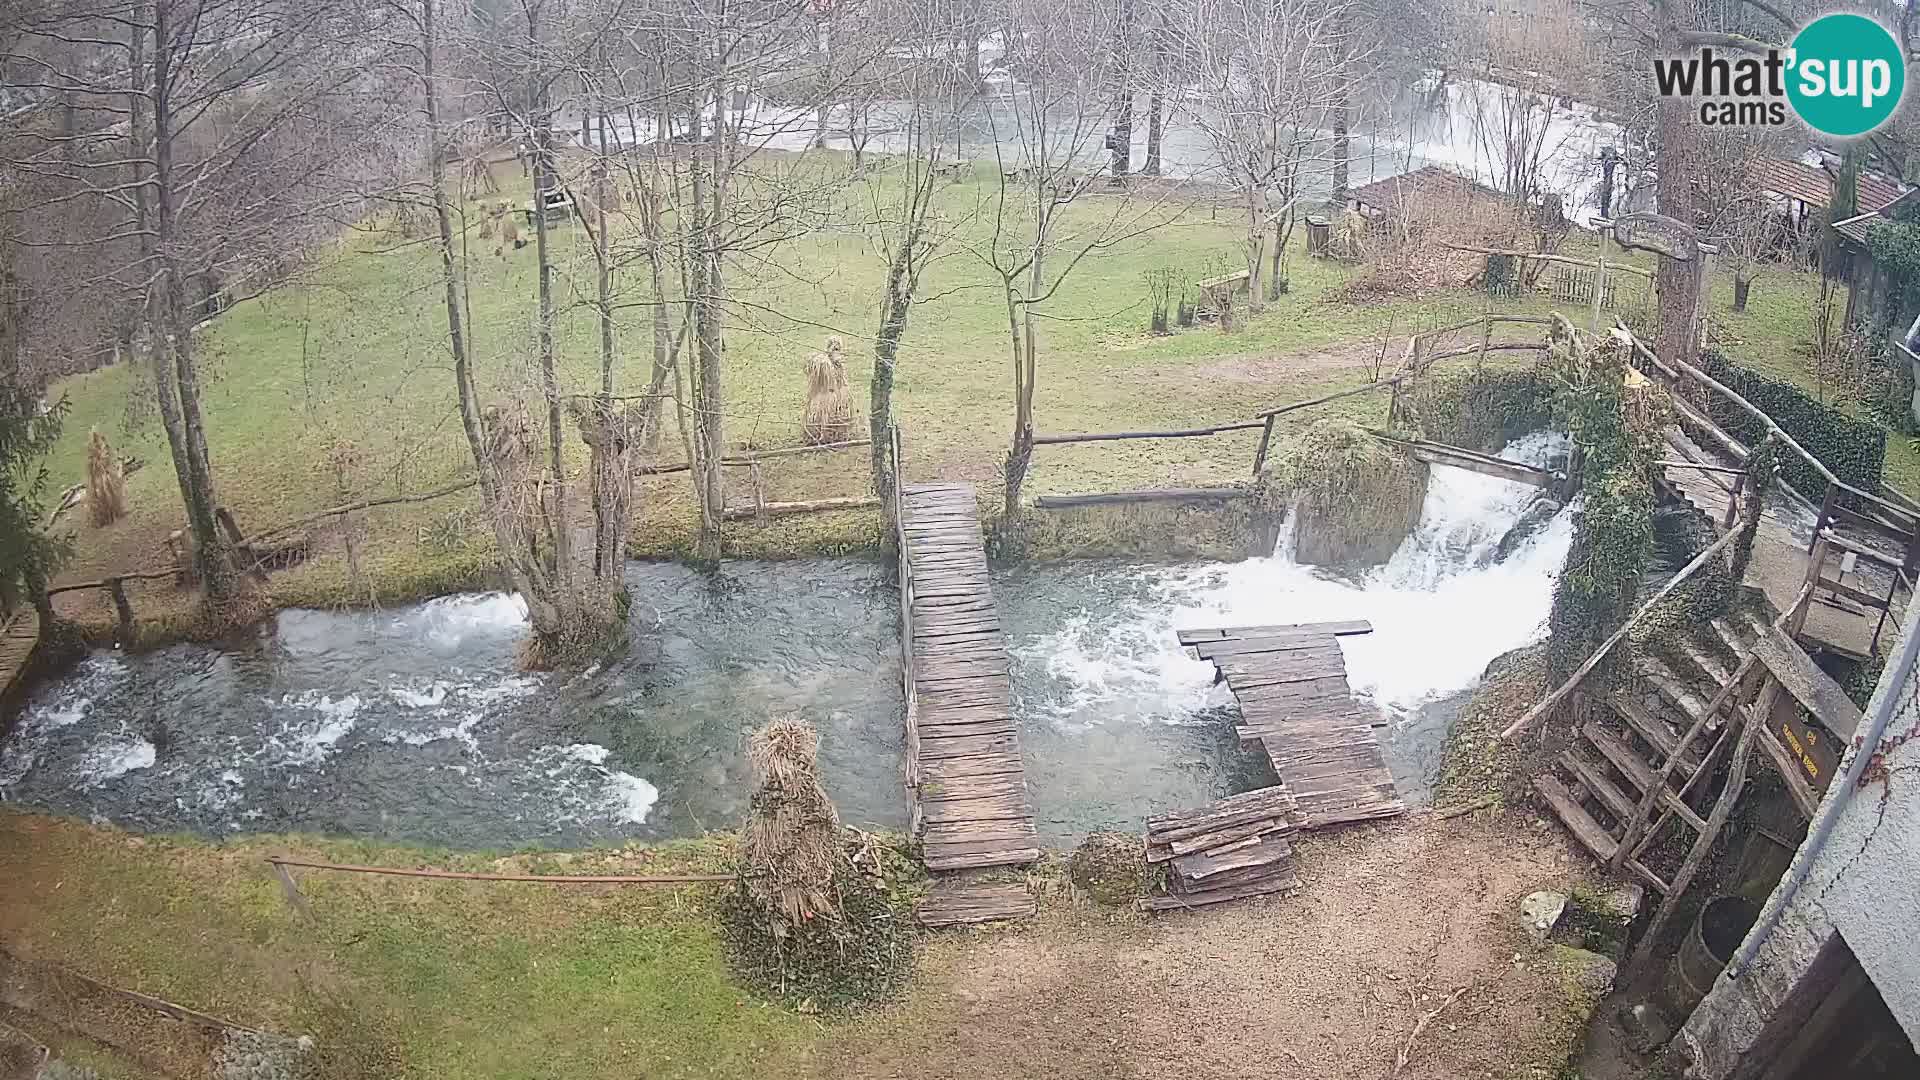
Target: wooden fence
x,y
1421,354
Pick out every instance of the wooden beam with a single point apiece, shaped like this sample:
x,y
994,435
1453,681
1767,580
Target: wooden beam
x,y
809,506
1219,494
1810,686
1599,654
1196,635
1115,436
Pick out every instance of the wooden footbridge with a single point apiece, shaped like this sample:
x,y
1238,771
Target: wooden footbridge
x,y
964,771
18,640
1291,683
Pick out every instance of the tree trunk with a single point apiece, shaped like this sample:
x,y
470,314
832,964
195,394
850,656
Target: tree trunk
x,y
560,528
1742,283
886,351
1025,343
1675,281
1154,107
521,569
174,339
707,434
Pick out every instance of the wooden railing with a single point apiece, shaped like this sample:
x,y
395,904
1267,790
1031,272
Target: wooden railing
x,y
1419,357
1884,513
909,693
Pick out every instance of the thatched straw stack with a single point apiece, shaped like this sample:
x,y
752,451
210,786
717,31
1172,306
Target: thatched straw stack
x,y
792,844
106,482
829,415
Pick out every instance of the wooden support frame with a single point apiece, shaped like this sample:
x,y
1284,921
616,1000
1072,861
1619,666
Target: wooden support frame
x,y
1634,837
1703,843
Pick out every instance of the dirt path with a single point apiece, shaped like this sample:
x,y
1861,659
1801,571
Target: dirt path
x,y
1313,986
1274,367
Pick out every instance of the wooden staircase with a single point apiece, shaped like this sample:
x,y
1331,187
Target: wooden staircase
x,y
1643,763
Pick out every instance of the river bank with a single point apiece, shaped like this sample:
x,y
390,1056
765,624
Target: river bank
x,y
514,981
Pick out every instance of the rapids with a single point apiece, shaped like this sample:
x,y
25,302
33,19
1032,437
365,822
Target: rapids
x,y
415,725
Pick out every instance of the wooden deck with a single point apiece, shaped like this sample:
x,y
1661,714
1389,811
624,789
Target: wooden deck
x,y
968,783
1780,561
1291,682
17,641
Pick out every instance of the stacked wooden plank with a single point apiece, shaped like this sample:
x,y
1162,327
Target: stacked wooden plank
x,y
964,767
1227,850
1291,683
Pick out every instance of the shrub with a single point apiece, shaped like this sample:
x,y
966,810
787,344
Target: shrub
x,y
1855,449
1354,498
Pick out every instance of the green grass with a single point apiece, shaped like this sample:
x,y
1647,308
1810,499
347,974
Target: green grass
x,y
506,982
354,357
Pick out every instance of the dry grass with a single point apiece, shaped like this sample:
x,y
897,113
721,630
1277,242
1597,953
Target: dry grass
x,y
791,841
829,412
106,483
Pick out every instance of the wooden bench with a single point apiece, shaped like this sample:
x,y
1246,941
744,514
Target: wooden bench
x,y
1219,293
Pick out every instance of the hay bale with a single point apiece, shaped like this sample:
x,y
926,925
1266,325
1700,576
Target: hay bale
x,y
829,412
106,482
1352,497
1111,867
792,839
819,916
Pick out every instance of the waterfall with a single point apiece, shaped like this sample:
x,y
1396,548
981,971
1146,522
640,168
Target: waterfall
x,y
1442,607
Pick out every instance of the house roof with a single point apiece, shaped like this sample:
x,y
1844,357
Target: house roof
x,y
1426,180
1813,185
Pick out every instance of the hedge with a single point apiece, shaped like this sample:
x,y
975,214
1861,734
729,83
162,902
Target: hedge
x,y
1855,449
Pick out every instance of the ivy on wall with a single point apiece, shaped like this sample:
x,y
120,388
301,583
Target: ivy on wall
x,y
1855,449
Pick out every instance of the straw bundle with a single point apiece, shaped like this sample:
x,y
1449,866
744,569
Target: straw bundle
x,y
829,414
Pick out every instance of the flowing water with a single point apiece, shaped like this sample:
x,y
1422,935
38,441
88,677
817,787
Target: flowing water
x,y
415,724
1119,720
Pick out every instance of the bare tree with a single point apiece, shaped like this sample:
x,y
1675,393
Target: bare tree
x,y
1050,155
906,225
1271,76
220,139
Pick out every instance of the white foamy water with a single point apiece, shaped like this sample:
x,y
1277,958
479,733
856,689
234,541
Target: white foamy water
x,y
449,622
112,760
1441,609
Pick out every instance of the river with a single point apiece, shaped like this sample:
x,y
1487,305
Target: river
x,y
415,725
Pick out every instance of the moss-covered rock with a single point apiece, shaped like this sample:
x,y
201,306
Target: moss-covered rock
x,y
1111,867
1352,497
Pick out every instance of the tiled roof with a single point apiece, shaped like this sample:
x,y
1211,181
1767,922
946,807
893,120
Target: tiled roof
x,y
1428,179
1813,185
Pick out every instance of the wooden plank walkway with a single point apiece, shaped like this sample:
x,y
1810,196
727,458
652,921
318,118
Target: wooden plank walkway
x,y
1291,682
970,804
957,903
17,642
1779,564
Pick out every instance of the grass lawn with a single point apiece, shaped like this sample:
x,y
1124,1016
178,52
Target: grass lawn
x,y
339,387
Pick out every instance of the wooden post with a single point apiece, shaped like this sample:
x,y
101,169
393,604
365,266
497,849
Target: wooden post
x,y
759,496
1733,502
1798,619
291,892
1599,281
1826,513
122,610
1266,443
